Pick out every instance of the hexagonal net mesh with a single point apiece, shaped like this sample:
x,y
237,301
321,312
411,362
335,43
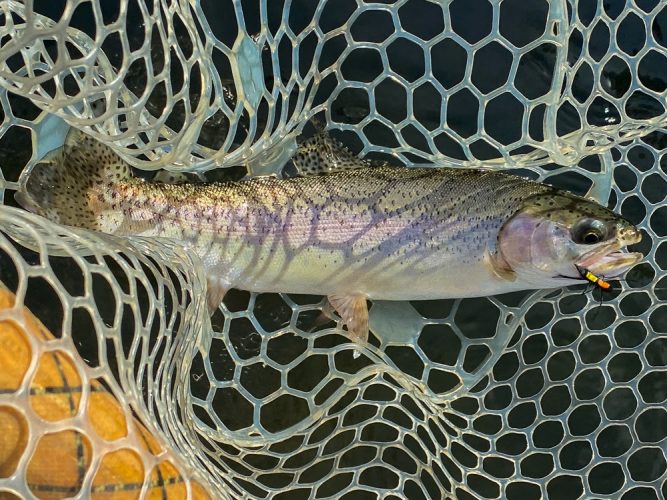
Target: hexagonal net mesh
x,y
556,394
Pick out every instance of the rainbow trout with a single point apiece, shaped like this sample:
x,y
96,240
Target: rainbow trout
x,y
350,233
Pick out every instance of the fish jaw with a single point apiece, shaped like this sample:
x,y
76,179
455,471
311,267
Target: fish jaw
x,y
612,264
612,259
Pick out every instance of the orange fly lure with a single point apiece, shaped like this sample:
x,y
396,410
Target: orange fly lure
x,y
596,280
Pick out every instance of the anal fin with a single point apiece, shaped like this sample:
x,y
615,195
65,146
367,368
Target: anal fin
x,y
354,313
215,291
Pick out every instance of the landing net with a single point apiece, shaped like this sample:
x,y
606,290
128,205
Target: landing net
x,y
550,394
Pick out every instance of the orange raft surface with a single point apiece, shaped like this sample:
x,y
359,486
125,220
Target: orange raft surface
x,y
59,463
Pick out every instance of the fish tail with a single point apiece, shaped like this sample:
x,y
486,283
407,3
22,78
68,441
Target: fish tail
x,y
63,187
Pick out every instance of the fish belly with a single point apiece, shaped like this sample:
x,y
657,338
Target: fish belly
x,y
383,270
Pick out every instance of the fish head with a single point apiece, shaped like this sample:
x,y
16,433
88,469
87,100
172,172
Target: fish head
x,y
556,235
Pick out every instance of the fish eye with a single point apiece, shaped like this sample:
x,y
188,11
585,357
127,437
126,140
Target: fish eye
x,y
588,232
592,236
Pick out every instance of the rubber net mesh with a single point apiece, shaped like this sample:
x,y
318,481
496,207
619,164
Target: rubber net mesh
x,y
559,394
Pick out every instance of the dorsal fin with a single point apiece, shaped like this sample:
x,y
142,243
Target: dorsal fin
x,y
322,154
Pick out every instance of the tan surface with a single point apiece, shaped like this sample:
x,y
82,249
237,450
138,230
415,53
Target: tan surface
x,y
61,459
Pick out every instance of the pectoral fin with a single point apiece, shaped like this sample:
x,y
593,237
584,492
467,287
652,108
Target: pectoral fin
x,y
499,267
215,292
354,313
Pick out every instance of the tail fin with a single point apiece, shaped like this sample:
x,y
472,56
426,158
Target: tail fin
x,y
59,187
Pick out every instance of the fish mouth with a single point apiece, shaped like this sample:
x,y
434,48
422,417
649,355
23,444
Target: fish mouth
x,y
612,259
610,264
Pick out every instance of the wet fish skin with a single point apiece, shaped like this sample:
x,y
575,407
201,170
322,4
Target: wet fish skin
x,y
384,232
